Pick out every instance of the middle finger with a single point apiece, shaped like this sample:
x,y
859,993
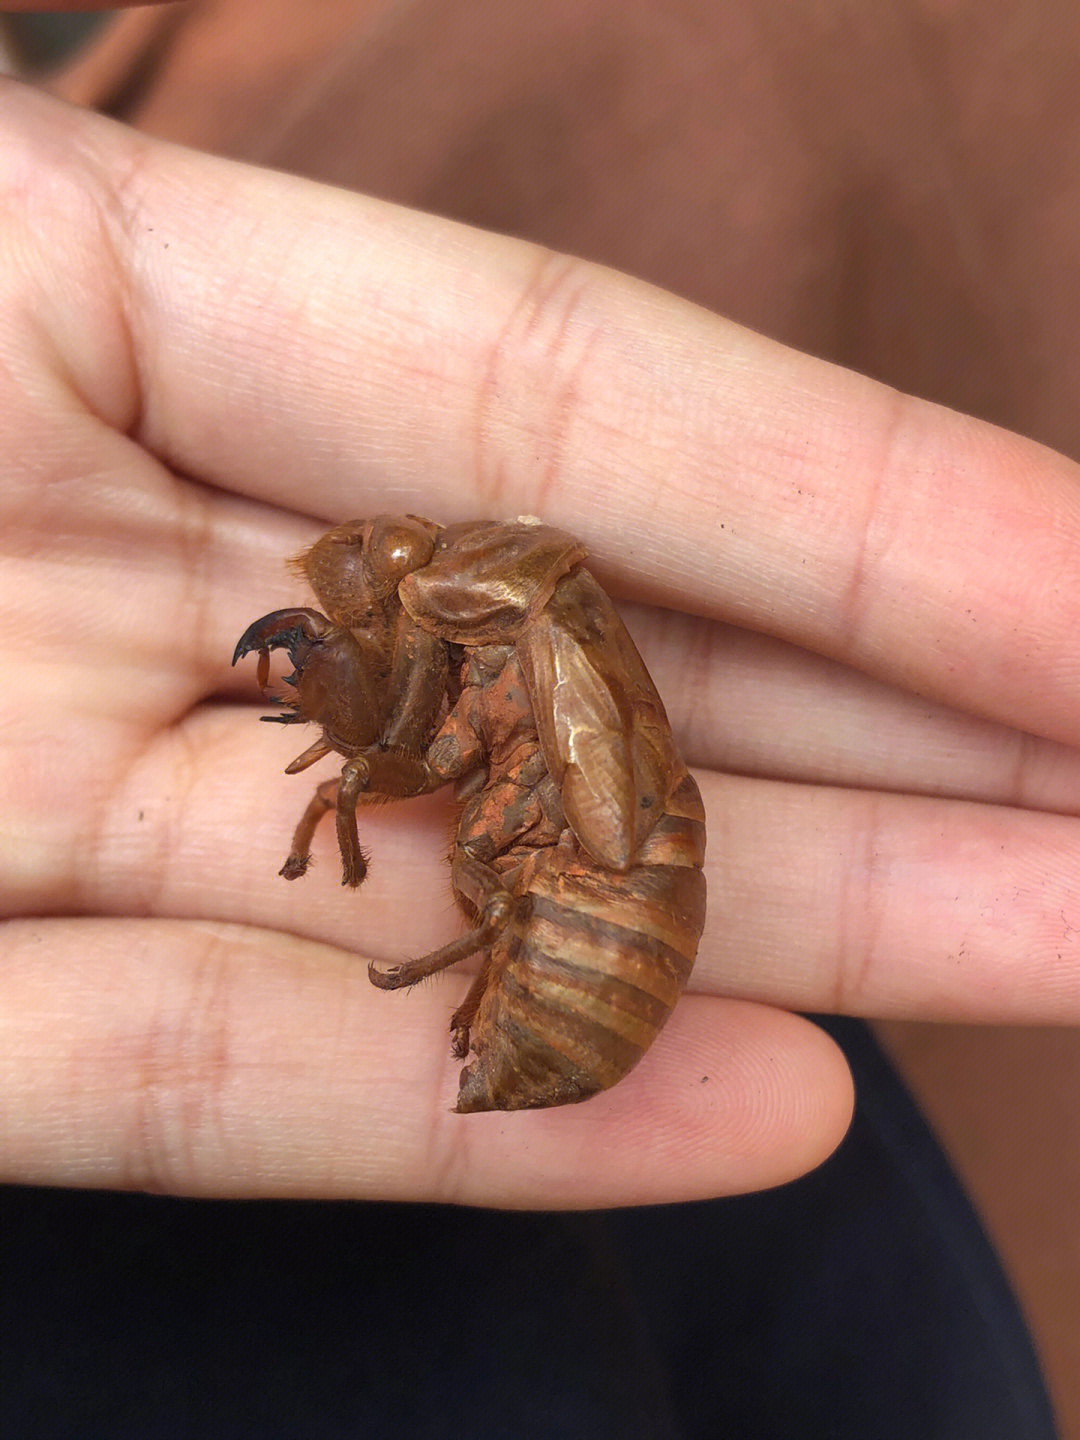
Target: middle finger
x,y
820,897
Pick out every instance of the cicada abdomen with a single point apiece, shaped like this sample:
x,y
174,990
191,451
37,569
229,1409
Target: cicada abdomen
x,y
580,988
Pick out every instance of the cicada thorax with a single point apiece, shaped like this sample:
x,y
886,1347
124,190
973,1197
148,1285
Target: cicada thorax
x,y
401,671
581,985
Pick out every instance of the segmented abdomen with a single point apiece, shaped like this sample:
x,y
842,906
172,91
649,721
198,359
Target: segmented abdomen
x,y
580,991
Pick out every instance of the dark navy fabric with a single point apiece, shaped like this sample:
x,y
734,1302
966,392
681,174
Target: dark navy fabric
x,y
862,1303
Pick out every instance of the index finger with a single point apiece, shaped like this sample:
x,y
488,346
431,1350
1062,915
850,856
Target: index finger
x,y
315,348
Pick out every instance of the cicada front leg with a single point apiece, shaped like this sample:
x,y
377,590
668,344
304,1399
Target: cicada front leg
x,y
385,774
321,803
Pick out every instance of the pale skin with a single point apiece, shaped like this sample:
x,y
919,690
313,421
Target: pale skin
x,y
862,611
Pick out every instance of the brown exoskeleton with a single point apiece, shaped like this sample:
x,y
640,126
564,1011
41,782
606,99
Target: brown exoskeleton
x,y
485,654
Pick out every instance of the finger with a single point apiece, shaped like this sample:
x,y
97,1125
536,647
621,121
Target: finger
x,y
195,820
750,704
200,813
313,344
215,1060
820,898
892,906
134,593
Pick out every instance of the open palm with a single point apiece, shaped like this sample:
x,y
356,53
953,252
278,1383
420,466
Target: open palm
x,y
860,610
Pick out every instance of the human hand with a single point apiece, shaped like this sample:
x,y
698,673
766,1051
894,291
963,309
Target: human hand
x,y
857,608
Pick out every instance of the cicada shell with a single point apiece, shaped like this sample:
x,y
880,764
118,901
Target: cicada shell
x,y
485,655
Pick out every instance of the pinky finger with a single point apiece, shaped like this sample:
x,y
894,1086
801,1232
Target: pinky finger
x,y
215,1059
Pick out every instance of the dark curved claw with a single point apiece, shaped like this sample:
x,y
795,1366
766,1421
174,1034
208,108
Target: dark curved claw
x,y
395,978
291,630
287,717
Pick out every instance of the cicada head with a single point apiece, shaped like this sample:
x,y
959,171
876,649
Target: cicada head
x,y
355,568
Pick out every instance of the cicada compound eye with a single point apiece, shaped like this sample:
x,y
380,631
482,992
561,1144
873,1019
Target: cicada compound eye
x,y
396,546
